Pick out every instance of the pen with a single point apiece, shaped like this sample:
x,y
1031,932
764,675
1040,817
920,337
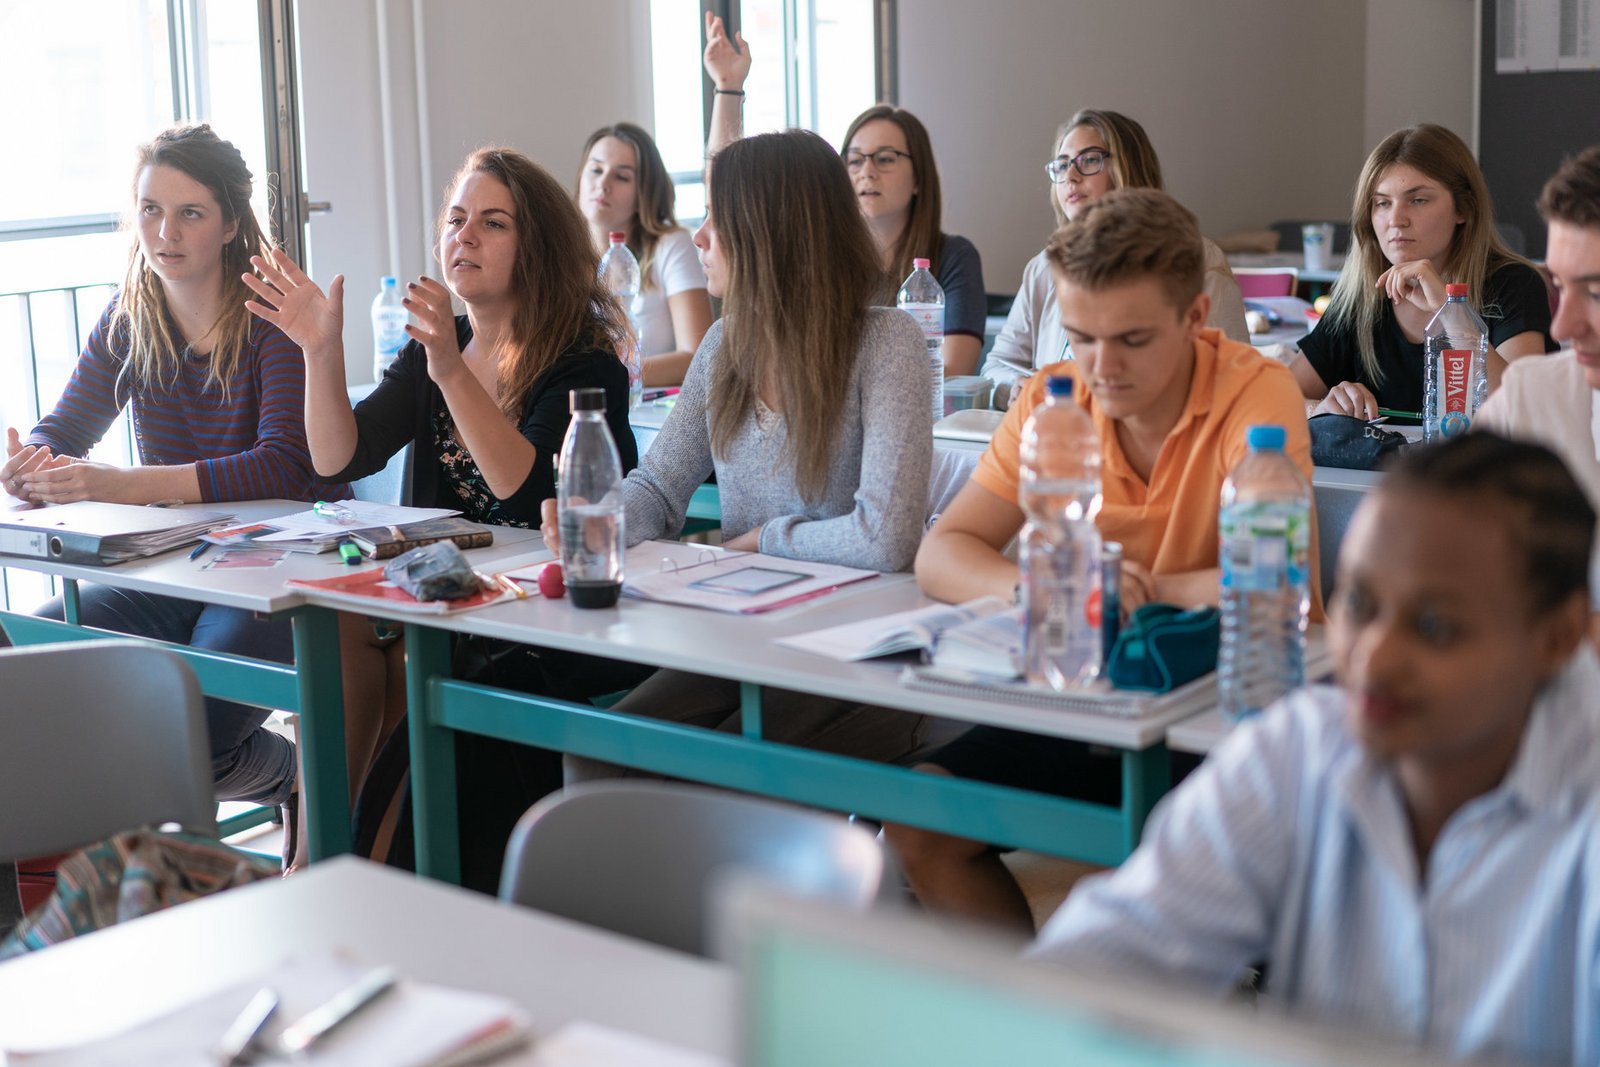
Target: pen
x,y
319,1022
199,550
1393,414
243,1030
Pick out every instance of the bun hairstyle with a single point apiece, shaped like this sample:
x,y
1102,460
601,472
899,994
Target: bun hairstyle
x,y
141,320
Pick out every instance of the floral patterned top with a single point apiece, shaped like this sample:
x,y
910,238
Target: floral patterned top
x,y
463,481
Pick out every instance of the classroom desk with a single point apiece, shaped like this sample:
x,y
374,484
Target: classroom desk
x,y
1198,734
557,970
743,648
310,685
1297,260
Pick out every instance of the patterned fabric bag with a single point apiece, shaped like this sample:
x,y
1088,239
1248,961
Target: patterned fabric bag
x,y
129,875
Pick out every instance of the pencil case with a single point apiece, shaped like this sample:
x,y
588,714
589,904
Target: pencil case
x,y
1162,646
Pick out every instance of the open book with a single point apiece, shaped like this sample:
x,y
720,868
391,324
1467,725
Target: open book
x,y
918,630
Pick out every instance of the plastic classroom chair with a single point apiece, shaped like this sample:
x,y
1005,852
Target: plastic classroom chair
x,y
641,857
97,737
1266,281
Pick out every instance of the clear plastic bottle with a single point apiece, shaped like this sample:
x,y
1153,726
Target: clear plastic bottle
x,y
1059,493
389,319
619,270
1265,550
923,298
589,504
1455,357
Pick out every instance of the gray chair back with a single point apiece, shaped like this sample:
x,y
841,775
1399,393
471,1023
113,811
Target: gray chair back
x,y
1334,508
642,857
392,485
97,737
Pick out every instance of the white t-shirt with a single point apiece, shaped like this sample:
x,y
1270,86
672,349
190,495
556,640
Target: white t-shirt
x,y
676,269
1547,399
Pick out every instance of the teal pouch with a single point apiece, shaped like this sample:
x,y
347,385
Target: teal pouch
x,y
1162,646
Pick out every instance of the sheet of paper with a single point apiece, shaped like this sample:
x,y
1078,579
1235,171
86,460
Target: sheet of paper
x,y
585,1044
362,513
1546,35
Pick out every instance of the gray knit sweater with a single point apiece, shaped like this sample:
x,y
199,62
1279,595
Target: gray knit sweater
x,y
871,513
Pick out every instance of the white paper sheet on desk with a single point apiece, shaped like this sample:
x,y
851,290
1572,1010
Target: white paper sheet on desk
x,y
412,1025
585,1044
675,573
308,525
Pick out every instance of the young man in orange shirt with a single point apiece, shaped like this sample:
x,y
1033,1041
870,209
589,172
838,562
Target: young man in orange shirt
x,y
1171,401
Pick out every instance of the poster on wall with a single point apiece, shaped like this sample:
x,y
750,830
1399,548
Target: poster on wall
x,y
1546,35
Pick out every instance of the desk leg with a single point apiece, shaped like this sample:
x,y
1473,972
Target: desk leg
x,y
325,789
69,601
750,709
1146,777
433,758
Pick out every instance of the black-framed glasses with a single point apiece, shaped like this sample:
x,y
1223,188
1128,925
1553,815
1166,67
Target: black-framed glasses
x,y
1089,161
882,159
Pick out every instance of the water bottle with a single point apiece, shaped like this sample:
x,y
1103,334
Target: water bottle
x,y
1455,356
620,273
589,504
1060,546
1265,551
923,298
388,327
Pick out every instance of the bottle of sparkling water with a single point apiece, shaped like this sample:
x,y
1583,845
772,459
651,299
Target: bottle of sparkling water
x,y
923,298
1265,552
1456,352
1059,493
589,504
619,270
388,326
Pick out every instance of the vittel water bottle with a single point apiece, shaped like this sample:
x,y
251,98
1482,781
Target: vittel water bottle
x,y
1265,549
1456,351
388,327
1060,494
589,504
619,271
923,298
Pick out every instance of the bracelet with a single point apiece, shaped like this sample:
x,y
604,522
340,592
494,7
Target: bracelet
x,y
729,92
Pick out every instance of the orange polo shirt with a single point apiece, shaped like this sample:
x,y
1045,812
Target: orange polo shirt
x,y
1170,524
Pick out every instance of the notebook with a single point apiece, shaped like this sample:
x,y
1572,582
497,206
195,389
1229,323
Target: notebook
x,y
99,534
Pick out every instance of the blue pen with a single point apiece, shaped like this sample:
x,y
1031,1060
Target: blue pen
x,y
199,550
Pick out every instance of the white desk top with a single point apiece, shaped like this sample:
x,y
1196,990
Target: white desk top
x,y
254,589
1199,733
743,647
557,970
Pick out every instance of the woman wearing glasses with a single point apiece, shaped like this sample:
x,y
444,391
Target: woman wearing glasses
x,y
889,157
1096,152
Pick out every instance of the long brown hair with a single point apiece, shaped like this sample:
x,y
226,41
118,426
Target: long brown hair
x,y
1133,163
654,216
561,303
922,238
801,267
155,350
1476,250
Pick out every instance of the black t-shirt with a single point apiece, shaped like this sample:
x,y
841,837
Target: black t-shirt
x,y
402,410
1515,301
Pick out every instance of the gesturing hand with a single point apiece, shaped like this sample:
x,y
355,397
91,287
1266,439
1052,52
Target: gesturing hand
x,y
727,64
295,304
435,328
1415,283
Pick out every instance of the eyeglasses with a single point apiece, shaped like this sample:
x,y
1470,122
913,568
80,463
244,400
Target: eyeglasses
x,y
1089,161
882,159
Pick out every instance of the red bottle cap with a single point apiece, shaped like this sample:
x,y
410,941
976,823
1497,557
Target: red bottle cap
x,y
1456,289
618,237
920,264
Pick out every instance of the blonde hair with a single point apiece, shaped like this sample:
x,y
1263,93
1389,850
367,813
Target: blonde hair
x,y
654,216
801,268
141,320
1475,252
1132,163
562,302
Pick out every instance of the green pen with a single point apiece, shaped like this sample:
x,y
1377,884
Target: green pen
x,y
1394,414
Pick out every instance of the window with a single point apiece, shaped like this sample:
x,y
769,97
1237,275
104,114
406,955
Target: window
x,y
816,66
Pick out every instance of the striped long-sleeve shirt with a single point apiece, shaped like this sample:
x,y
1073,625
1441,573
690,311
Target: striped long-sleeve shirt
x,y
1292,845
251,447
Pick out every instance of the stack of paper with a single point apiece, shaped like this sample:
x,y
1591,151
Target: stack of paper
x,y
94,532
317,530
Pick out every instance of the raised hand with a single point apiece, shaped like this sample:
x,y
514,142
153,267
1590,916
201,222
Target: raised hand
x,y
726,62
295,304
435,327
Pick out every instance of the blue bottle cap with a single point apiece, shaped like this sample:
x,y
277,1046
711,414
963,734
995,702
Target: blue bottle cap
x,y
1267,438
1059,385
389,281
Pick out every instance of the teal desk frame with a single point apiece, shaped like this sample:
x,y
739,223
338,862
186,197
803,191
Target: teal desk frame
x,y
441,707
310,686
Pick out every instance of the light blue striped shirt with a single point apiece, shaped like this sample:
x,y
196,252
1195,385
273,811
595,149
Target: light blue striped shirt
x,y
1290,845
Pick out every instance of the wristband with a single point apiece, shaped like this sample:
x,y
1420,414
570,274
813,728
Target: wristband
x,y
729,92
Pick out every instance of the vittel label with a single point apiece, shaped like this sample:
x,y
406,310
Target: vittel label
x,y
1455,365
